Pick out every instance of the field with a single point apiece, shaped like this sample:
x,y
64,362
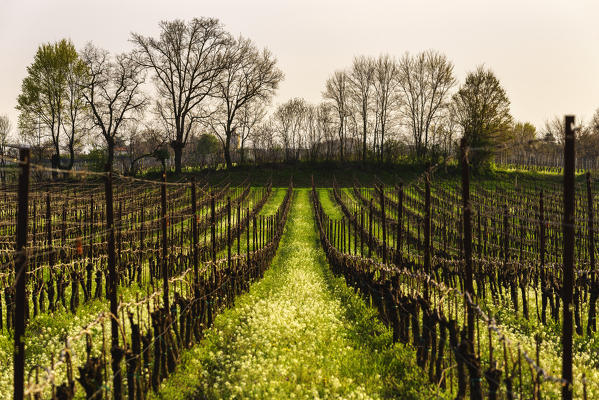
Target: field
x,y
299,282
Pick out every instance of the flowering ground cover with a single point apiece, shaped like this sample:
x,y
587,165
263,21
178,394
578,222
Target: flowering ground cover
x,y
299,333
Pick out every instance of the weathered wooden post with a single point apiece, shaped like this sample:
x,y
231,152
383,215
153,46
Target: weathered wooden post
x,y
591,324
475,385
544,295
427,223
115,351
213,228
165,294
229,231
21,275
398,245
467,226
384,225
194,227
568,256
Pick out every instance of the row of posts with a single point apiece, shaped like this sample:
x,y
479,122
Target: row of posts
x,y
116,351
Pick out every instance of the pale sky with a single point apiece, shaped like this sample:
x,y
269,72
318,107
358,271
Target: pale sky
x,y
545,53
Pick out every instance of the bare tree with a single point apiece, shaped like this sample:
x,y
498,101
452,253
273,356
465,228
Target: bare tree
x,y
361,80
289,123
76,108
186,60
325,127
385,83
444,133
594,125
250,116
251,75
141,142
5,128
424,81
313,133
337,92
554,130
263,141
113,92
587,137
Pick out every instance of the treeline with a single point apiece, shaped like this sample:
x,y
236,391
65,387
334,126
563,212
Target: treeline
x,y
211,103
203,78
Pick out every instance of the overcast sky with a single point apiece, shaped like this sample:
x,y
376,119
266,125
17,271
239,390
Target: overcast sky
x,y
545,53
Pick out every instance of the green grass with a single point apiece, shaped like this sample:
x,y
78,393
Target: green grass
x,y
329,205
298,333
272,204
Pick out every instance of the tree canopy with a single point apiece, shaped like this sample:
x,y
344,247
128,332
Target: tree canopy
x,y
482,109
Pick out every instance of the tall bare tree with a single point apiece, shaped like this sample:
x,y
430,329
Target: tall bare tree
x,y
594,124
76,110
385,84
186,60
289,123
142,142
5,128
361,81
424,81
263,141
337,92
325,127
313,132
554,130
113,92
251,75
250,116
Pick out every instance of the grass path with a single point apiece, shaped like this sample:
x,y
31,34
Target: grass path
x,y
298,333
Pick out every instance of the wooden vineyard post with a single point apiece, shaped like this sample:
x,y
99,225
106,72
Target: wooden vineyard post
x,y
474,365
568,254
115,351
427,224
542,254
247,236
165,294
238,225
370,229
194,222
213,229
21,276
228,231
591,325
384,225
399,224
361,232
50,251
466,211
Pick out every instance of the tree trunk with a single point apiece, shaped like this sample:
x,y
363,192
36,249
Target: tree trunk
x,y
227,149
382,143
55,163
341,142
69,166
365,122
2,165
55,160
110,150
177,147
